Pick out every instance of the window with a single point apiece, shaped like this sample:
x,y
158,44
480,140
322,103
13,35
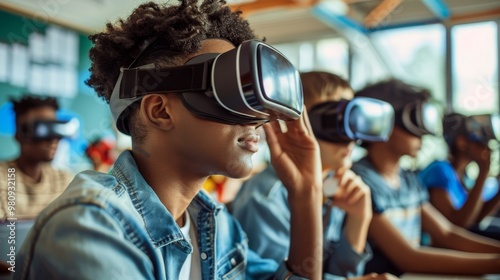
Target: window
x,y
474,54
331,55
416,55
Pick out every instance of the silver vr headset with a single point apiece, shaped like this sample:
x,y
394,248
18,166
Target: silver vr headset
x,y
252,83
361,118
48,129
421,118
483,128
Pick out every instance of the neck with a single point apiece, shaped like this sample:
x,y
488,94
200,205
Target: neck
x,y
385,162
31,168
171,182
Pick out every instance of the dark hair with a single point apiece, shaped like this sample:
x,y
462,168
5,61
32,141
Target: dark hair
x,y
177,32
395,92
29,102
453,127
322,86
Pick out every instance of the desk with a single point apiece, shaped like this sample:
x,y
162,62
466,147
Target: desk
x,y
415,276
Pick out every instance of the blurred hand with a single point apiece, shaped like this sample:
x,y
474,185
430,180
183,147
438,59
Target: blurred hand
x,y
481,154
375,276
353,195
296,159
295,156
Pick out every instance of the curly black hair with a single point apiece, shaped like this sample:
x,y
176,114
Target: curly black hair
x,y
178,32
29,102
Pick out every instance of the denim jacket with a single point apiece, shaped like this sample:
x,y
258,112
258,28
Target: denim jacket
x,y
113,226
263,201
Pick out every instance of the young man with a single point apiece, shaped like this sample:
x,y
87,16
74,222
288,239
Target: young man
x,y
262,207
467,139
147,218
37,183
400,202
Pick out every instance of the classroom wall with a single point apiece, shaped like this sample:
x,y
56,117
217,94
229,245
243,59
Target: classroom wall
x,y
83,103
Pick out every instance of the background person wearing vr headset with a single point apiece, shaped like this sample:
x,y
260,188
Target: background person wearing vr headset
x,y
262,205
147,218
467,139
37,181
401,211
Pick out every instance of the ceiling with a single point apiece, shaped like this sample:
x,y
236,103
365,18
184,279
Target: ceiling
x,y
277,20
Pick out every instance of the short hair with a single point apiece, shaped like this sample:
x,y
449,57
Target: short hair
x,y
322,86
395,92
29,102
454,125
178,31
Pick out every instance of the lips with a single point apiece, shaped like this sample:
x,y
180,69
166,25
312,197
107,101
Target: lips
x,y
249,142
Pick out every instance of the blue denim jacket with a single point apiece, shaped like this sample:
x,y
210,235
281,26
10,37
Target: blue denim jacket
x,y
113,226
263,201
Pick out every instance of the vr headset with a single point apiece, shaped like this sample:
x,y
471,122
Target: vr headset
x,y
421,118
49,129
252,83
483,128
361,118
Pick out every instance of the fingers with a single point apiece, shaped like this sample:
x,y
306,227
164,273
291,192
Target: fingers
x,y
301,125
307,123
355,192
375,276
352,188
272,140
344,175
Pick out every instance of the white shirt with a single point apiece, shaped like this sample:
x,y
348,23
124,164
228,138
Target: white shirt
x,y
191,269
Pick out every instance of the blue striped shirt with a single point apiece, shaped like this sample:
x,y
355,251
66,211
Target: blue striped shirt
x,y
401,205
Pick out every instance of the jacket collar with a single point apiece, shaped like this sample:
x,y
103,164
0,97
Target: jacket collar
x,y
158,221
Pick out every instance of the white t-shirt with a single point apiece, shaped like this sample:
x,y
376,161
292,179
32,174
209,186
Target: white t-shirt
x,y
191,269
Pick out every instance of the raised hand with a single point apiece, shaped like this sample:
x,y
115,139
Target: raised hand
x,y
296,159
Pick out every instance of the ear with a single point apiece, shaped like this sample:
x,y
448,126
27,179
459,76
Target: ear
x,y
155,108
17,135
461,143
18,139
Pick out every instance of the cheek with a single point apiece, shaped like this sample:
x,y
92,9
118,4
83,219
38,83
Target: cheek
x,y
416,142
331,156
217,144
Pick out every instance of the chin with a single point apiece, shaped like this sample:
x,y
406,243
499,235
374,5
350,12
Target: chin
x,y
48,159
412,154
239,169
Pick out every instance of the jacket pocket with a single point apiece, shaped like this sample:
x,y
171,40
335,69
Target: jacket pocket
x,y
232,265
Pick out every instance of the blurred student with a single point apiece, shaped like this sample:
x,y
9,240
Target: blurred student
x,y
400,201
262,204
467,139
165,71
37,182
